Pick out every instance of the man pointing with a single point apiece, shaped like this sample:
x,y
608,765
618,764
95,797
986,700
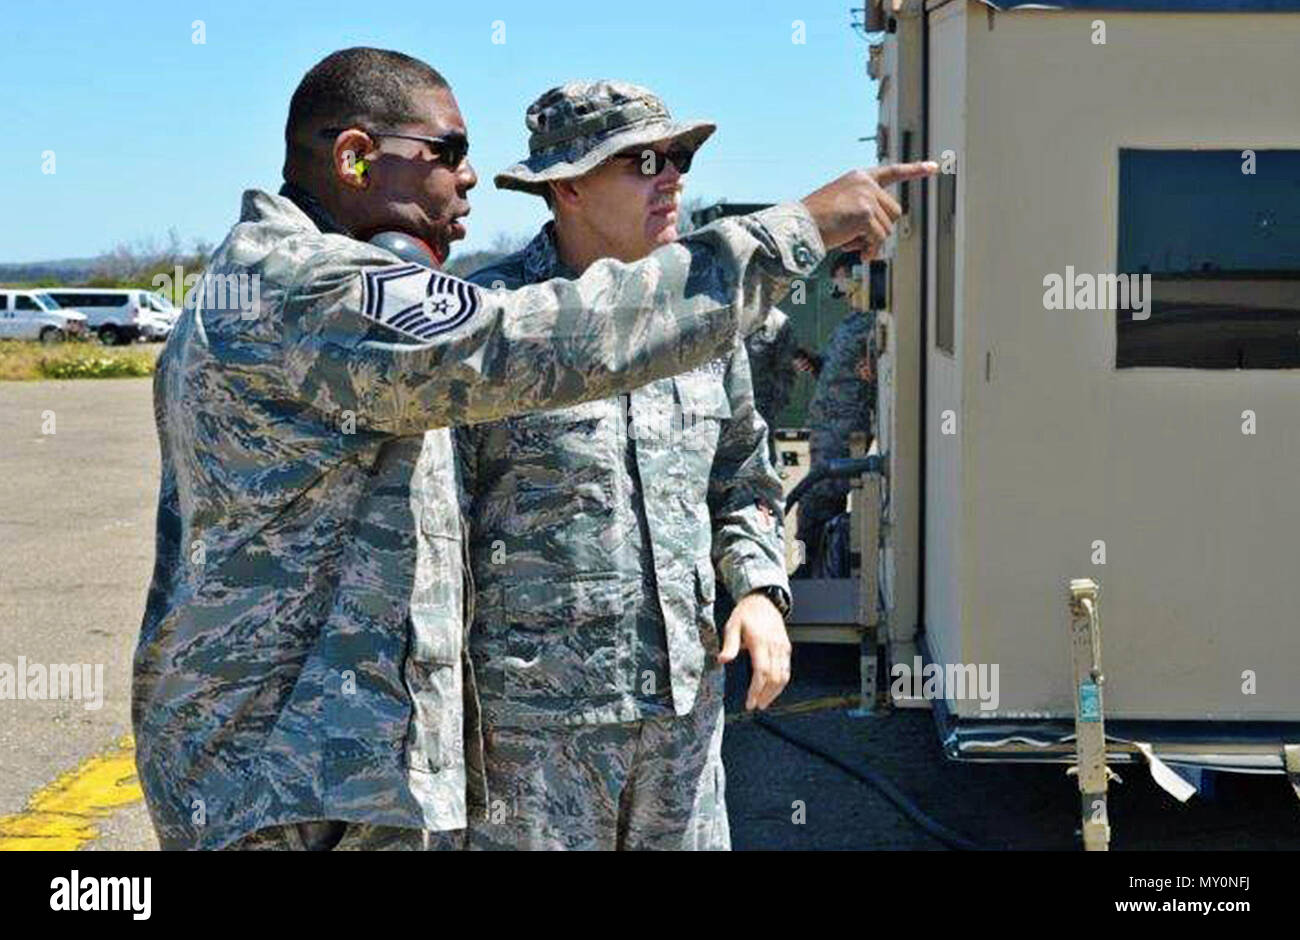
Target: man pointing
x,y
300,671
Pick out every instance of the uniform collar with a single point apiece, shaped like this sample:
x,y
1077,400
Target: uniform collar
x,y
312,208
542,258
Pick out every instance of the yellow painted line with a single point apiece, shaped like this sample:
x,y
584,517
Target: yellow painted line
x,y
62,815
800,708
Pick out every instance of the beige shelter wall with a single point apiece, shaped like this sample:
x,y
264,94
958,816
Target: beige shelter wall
x,y
1200,523
898,401
948,557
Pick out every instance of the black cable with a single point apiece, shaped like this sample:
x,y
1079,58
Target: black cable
x,y
933,828
836,468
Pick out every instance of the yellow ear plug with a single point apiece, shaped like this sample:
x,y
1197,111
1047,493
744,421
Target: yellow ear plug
x,y
359,168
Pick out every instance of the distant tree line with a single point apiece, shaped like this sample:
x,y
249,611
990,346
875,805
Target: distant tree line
x,y
137,264
126,265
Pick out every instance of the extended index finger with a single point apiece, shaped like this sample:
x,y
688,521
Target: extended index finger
x,y
892,173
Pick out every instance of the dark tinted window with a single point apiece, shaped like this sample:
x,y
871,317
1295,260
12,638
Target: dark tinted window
x,y
88,300
25,303
1222,247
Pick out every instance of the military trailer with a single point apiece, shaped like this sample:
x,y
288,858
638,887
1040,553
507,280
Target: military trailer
x,y
1090,540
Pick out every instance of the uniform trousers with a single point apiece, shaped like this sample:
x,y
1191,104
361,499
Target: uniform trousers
x,y
331,835
653,784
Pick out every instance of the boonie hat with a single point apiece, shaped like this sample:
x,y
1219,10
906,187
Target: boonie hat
x,y
577,126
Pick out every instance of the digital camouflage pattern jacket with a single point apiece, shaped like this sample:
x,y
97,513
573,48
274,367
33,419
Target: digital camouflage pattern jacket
x,y
302,646
596,530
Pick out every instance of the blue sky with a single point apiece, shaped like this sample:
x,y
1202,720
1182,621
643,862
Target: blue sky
x,y
151,130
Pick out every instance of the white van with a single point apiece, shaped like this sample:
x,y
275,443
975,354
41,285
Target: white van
x,y
162,316
30,314
118,315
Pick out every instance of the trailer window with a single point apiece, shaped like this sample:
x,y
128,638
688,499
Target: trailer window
x,y
1218,231
945,261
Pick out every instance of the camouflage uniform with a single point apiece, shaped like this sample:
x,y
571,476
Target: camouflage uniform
x,y
346,837
656,784
596,530
301,653
771,361
842,403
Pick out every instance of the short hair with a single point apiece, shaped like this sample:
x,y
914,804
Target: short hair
x,y
357,86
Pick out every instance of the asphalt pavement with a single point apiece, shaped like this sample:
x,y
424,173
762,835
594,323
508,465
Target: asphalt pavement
x,y
76,551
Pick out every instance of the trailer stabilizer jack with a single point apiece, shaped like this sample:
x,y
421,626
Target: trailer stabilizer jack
x,y
1089,714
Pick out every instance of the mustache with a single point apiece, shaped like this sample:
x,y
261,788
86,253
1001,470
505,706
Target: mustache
x,y
670,199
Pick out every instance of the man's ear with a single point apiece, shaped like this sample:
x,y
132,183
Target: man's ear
x,y
564,193
351,153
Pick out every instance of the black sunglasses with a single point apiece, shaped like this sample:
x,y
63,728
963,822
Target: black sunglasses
x,y
653,162
450,149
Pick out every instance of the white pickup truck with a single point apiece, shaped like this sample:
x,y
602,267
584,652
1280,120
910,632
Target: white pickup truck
x,y
31,314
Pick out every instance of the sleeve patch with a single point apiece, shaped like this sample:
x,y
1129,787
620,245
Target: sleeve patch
x,y
416,300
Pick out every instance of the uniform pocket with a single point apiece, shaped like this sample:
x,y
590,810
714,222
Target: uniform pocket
x,y
703,395
705,594
559,459
432,673
705,583
704,405
562,644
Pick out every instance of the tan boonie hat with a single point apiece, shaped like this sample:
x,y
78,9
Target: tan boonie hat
x,y
579,125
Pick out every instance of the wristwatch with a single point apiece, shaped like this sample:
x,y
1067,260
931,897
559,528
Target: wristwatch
x,y
779,597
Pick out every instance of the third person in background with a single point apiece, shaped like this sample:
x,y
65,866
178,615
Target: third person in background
x,y
844,402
